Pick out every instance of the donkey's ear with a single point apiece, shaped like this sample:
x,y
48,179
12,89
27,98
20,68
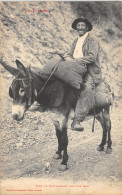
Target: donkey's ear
x,y
21,68
10,69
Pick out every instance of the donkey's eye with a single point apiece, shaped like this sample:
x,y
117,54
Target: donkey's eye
x,y
21,92
10,92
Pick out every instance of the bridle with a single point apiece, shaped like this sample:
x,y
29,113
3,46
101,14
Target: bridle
x,y
27,87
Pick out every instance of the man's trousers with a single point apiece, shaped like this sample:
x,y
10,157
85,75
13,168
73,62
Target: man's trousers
x,y
86,99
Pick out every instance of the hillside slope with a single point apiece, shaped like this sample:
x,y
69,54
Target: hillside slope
x,y
31,36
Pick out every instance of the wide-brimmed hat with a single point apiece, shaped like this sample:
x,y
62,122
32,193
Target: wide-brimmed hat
x,y
82,20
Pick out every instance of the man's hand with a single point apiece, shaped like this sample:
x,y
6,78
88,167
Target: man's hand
x,y
68,58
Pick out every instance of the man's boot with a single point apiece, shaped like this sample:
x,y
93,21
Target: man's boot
x,y
76,125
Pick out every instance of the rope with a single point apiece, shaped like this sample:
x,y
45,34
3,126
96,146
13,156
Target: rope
x,y
55,67
93,124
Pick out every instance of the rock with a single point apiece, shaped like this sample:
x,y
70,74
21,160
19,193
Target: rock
x,y
47,164
18,144
20,160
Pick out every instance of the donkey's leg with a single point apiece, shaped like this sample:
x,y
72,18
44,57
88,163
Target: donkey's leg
x,y
63,141
100,118
107,120
60,123
58,134
64,144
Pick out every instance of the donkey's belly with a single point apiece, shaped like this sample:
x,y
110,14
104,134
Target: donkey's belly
x,y
91,113
95,111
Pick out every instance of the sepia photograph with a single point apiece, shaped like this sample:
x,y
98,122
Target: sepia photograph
x,y
60,97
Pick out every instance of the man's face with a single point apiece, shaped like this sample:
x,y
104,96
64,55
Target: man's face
x,y
81,28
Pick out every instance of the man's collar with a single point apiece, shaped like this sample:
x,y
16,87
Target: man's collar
x,y
88,36
84,36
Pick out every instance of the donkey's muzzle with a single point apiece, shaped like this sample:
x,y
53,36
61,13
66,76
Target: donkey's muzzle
x,y
17,117
18,112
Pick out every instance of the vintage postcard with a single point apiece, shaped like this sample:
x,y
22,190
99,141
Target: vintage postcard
x,y
60,97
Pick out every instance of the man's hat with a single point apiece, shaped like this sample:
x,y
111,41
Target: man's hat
x,y
82,20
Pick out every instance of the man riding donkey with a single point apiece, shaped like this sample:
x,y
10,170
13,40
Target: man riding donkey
x,y
85,50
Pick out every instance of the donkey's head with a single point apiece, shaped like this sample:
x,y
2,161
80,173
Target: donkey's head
x,y
21,90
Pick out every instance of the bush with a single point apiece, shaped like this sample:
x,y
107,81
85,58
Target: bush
x,y
99,10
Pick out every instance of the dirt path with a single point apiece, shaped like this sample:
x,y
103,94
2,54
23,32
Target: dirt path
x,y
28,148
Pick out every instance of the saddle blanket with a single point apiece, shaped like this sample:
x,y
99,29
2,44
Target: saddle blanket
x,y
69,72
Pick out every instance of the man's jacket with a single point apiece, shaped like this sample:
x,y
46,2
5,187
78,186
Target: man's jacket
x,y
91,52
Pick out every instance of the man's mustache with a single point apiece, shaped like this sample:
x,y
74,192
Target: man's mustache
x,y
80,29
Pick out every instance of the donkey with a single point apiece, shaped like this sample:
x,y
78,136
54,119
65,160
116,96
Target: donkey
x,y
56,96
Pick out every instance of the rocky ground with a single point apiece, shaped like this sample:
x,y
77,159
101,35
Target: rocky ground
x,y
27,147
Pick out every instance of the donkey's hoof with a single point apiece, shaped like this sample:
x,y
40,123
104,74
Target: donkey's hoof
x,y
57,156
109,151
62,167
100,148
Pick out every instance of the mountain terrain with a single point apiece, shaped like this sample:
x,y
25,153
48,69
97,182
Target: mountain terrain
x,y
28,146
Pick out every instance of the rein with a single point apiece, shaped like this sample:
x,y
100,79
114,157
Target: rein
x,y
30,79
